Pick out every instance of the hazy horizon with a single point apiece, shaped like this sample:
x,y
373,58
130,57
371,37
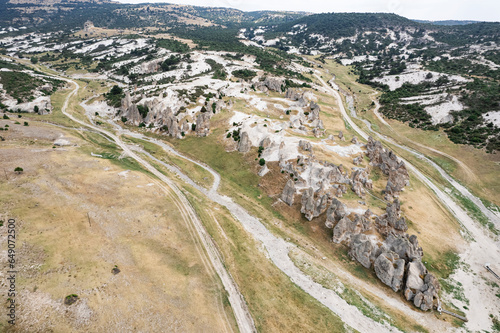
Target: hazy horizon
x,y
433,10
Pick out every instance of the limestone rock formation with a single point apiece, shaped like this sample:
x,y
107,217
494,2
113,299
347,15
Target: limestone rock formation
x,y
312,207
391,222
390,269
293,94
360,181
314,111
269,83
203,124
129,110
362,249
390,166
336,211
354,140
305,145
266,142
263,171
244,144
357,160
341,136
421,286
288,193
346,228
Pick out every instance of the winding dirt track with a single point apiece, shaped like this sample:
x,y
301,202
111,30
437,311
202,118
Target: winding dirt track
x,y
238,304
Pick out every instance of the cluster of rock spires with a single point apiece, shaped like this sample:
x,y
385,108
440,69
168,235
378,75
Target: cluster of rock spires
x,y
388,162
164,114
378,242
269,83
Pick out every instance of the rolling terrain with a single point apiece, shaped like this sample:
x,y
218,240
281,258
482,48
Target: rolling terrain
x,y
249,171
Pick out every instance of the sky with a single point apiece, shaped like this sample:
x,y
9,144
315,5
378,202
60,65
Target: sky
x,y
479,10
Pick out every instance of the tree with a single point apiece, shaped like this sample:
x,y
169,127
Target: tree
x,y
18,170
34,60
36,109
262,161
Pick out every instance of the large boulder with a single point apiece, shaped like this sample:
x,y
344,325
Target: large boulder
x,y
336,211
346,228
421,287
288,192
362,249
390,269
312,207
244,144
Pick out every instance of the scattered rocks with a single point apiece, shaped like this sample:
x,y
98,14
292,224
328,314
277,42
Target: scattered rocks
x,y
341,136
357,160
354,140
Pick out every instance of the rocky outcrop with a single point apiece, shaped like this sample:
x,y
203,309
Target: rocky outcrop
x,y
341,136
406,247
293,94
335,213
354,140
129,110
391,222
263,171
203,124
288,193
390,269
357,160
390,166
266,142
398,179
313,207
314,111
421,286
305,145
346,228
363,249
360,181
244,144
269,83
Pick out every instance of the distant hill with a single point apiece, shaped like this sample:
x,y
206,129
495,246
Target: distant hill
x,y
448,22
